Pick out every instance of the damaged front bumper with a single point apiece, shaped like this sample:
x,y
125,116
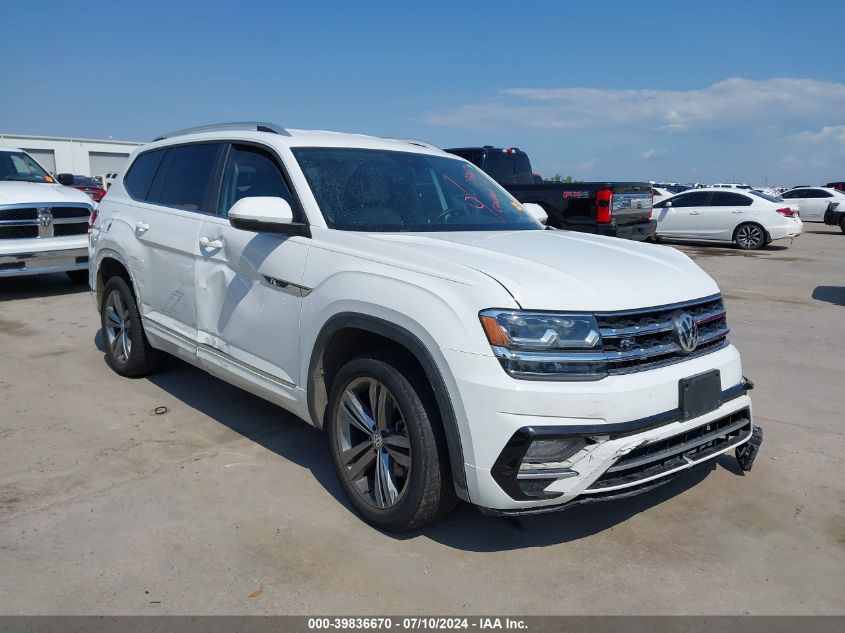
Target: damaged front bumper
x,y
626,459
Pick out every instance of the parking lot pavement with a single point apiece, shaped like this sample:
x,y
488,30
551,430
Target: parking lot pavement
x,y
225,504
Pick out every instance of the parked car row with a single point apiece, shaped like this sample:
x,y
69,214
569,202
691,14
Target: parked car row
x,y
401,299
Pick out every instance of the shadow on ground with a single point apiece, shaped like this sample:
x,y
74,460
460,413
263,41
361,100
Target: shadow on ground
x,y
830,294
713,249
36,286
465,528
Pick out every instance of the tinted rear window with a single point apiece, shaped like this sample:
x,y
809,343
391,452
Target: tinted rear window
x,y
501,166
184,178
141,174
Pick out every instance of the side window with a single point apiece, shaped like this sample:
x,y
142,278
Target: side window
x,y
820,193
250,172
725,199
185,176
795,194
695,199
140,176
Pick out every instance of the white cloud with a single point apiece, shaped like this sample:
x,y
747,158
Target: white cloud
x,y
827,133
653,152
729,103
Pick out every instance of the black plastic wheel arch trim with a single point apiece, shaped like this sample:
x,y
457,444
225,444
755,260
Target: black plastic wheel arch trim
x,y
506,467
413,344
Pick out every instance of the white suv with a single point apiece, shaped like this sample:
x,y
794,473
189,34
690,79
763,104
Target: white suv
x,y
397,297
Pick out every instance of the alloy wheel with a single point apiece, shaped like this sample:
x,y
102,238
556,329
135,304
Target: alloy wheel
x,y
118,327
373,444
750,236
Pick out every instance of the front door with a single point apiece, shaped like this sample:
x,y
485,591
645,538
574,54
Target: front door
x,y
248,293
681,219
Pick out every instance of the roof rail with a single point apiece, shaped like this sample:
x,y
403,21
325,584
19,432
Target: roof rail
x,y
258,126
416,142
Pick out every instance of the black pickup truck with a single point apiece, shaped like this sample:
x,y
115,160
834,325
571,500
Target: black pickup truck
x,y
619,209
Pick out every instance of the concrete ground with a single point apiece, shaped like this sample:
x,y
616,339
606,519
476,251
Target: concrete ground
x,y
225,504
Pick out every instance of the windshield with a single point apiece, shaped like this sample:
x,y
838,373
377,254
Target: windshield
x,y
765,196
21,166
381,190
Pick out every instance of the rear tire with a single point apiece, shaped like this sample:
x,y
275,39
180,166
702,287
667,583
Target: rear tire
x,y
128,352
842,224
389,455
750,236
78,276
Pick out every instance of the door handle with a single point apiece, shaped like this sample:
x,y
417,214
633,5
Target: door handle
x,y
142,227
736,211
211,244
695,212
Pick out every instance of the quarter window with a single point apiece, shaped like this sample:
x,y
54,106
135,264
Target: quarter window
x,y
141,174
249,173
184,177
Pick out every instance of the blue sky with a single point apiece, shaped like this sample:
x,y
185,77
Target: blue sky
x,y
597,90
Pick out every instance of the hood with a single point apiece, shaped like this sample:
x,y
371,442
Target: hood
x,y
18,192
564,270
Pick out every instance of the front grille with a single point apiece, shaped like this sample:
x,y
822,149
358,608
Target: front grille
x,y
24,223
69,212
642,339
684,449
17,232
18,214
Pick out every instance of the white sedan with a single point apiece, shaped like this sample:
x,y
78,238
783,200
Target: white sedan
x,y
814,201
750,219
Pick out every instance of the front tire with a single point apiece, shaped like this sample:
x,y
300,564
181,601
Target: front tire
x,y
387,444
128,352
750,237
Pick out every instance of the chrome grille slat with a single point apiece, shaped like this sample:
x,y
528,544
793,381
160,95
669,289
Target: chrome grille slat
x,y
638,340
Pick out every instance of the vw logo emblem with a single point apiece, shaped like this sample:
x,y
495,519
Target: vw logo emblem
x,y
45,217
685,331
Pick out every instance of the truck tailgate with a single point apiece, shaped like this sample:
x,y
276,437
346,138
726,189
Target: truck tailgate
x,y
631,206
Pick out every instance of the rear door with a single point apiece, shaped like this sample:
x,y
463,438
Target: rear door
x,y
725,210
248,284
681,217
166,224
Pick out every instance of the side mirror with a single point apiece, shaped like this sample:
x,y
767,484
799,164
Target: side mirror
x,y
65,179
536,211
668,203
264,214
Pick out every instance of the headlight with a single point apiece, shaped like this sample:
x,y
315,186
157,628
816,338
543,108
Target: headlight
x,y
545,345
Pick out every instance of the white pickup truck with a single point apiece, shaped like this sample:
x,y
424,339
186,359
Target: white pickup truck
x,y
43,225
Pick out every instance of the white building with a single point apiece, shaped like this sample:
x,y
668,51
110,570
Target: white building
x,y
79,156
